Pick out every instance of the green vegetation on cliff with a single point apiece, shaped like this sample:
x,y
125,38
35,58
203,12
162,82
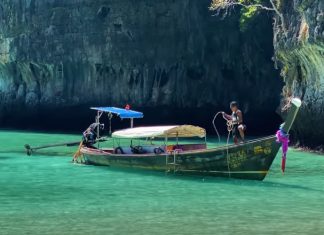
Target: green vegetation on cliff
x,y
299,49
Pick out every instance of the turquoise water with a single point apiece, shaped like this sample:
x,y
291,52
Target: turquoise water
x,y
47,194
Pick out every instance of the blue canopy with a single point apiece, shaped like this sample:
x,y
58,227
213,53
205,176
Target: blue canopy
x,y
122,113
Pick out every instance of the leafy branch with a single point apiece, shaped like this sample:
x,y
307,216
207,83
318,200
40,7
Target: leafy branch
x,y
219,5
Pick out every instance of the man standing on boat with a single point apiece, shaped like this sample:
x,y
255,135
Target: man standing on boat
x,y
90,134
236,119
89,138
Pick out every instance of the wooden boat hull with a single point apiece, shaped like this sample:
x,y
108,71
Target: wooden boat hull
x,y
250,160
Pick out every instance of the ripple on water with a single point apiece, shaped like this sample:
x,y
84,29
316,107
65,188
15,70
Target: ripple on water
x,y
46,194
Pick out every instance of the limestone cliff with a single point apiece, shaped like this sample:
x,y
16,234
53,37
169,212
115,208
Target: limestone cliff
x,y
300,51
58,57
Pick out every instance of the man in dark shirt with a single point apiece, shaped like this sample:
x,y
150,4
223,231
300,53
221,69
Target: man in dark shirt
x,y
90,134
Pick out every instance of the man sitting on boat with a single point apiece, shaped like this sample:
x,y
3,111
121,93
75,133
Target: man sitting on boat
x,y
236,120
90,134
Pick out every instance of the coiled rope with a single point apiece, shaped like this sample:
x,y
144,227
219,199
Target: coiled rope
x,y
229,124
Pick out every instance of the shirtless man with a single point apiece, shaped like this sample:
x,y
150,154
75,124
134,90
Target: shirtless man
x,y
237,120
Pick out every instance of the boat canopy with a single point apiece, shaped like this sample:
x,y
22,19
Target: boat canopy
x,y
161,131
122,113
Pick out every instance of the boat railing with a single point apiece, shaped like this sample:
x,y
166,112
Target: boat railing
x,y
230,146
172,165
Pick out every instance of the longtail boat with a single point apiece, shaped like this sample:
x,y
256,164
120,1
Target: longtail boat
x,y
249,160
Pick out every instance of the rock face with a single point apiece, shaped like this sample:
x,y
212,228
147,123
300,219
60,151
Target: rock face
x,y
300,51
172,59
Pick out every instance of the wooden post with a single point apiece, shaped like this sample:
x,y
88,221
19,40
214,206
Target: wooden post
x,y
110,117
98,127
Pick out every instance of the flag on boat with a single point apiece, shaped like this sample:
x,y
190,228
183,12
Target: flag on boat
x,y
283,138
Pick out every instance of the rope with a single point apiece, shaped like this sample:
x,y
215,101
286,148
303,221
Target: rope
x,y
227,156
230,126
215,128
77,153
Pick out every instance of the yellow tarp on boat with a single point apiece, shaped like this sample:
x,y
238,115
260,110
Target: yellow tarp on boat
x,y
161,131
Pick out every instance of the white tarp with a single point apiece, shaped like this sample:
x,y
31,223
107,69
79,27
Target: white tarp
x,y
161,131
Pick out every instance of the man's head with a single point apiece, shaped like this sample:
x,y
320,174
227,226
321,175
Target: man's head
x,y
233,106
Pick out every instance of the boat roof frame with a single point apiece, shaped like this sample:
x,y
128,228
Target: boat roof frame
x,y
174,131
120,112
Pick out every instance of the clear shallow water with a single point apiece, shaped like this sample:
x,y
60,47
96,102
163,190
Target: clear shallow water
x,y
47,194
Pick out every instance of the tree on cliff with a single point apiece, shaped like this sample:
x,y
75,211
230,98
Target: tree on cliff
x,y
249,8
